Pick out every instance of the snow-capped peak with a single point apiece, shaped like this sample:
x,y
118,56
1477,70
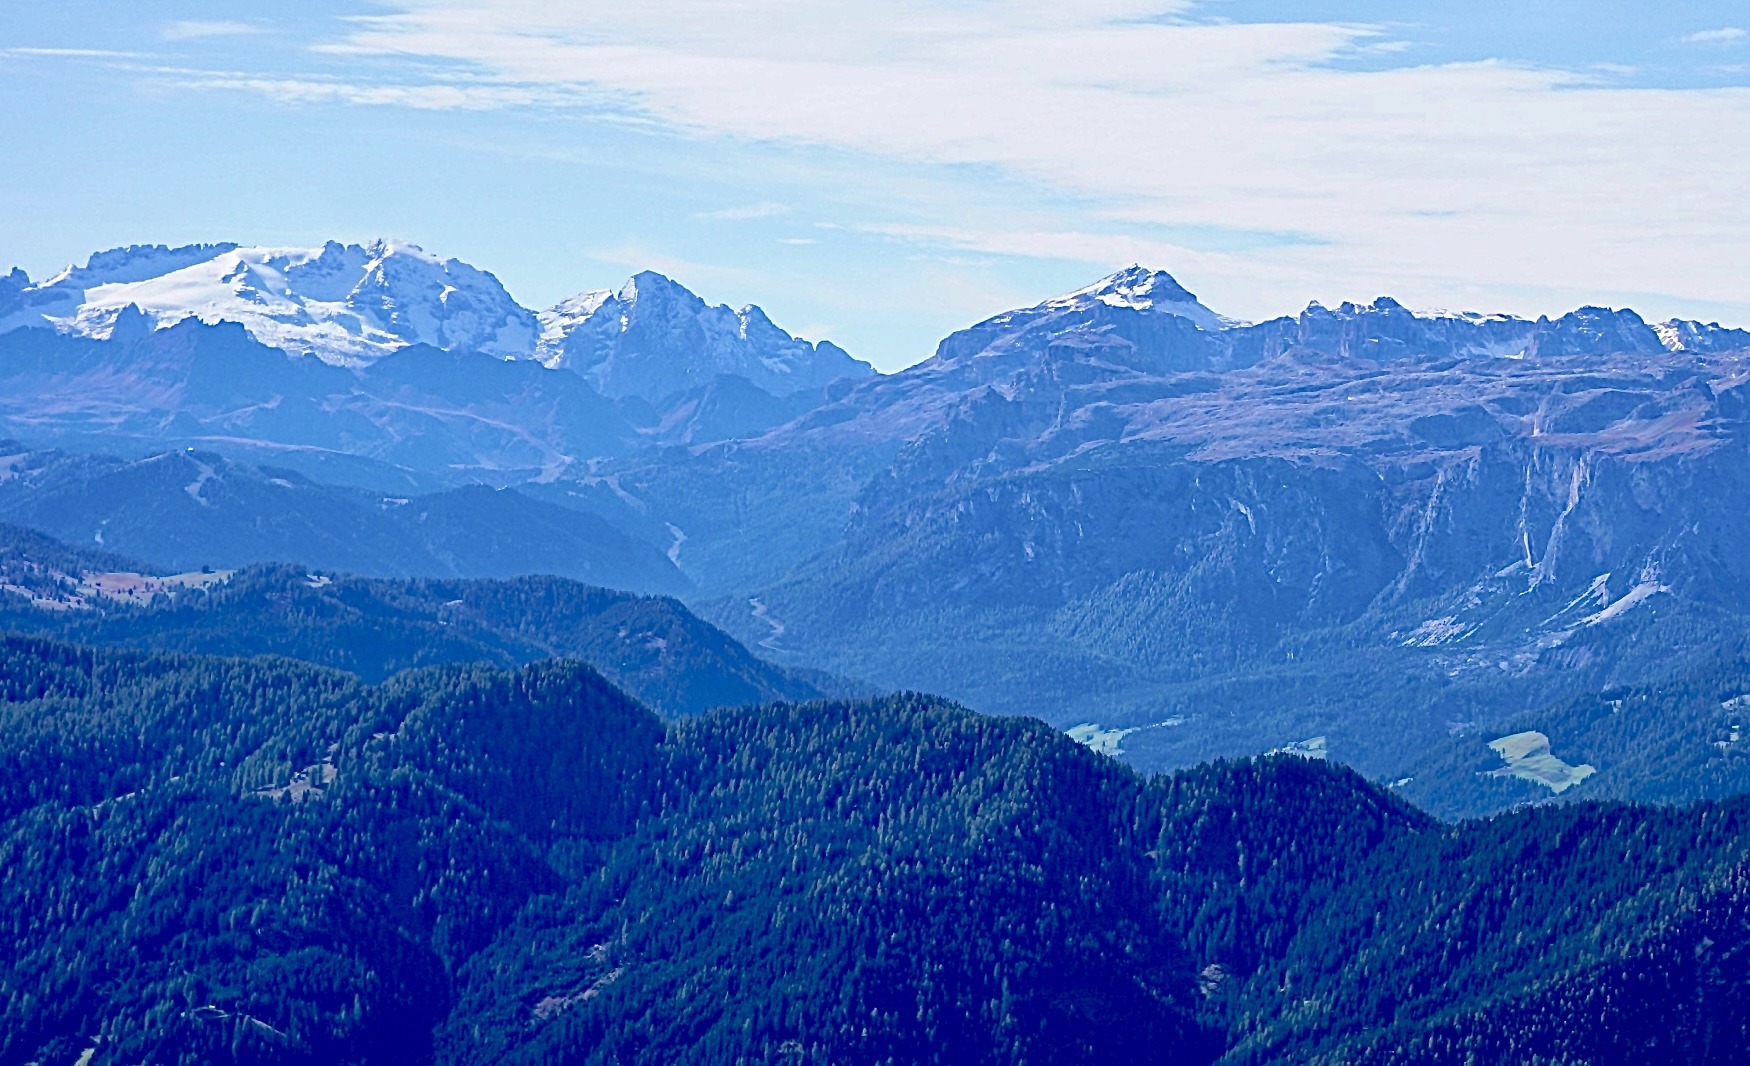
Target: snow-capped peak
x,y
344,303
1142,289
649,286
653,337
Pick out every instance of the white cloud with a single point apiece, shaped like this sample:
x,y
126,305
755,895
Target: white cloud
x,y
1723,35
69,53
1075,245
745,212
427,97
1418,180
198,29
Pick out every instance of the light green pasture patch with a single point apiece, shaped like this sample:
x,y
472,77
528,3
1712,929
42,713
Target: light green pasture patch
x,y
1311,748
1528,758
1104,741
1107,741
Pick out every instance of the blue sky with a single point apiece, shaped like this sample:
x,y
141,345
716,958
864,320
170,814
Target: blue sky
x,y
883,173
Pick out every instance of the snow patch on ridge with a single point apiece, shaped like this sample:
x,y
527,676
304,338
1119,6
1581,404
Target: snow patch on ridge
x,y
1142,289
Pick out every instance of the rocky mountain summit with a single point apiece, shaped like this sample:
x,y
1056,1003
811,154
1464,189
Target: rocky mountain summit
x,y
1143,289
653,338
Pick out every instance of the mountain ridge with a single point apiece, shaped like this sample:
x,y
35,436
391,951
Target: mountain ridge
x,y
651,646
1091,509
187,509
351,304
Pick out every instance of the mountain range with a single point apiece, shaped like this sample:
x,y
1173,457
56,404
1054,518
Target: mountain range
x,y
1362,527
1361,687
1383,531
350,305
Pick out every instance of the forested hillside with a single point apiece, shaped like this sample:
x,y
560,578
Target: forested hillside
x,y
214,860
651,646
218,860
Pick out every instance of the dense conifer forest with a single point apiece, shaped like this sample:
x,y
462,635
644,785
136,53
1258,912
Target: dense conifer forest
x,y
265,861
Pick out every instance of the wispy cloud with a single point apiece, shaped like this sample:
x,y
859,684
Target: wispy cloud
x,y
745,212
199,29
1074,245
70,53
1140,117
424,97
1723,35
